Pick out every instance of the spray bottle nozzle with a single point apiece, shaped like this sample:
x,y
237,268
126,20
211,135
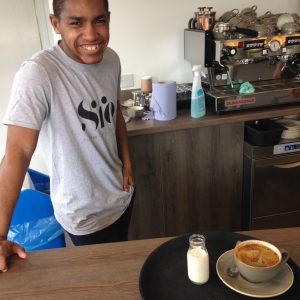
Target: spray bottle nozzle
x,y
198,69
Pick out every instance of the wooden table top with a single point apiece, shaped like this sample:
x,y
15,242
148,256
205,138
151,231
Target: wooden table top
x,y
106,271
184,121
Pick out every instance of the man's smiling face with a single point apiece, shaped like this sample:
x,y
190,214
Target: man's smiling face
x,y
84,28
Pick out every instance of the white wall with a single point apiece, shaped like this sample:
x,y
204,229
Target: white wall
x,y
20,38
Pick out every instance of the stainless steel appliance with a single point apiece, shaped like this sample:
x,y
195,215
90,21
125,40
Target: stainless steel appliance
x,y
233,55
271,189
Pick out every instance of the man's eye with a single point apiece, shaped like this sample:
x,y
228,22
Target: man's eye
x,y
75,23
101,21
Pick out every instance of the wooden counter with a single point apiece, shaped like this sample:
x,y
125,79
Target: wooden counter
x,y
107,271
184,121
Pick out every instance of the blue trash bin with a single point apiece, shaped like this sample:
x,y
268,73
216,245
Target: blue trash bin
x,y
40,181
34,210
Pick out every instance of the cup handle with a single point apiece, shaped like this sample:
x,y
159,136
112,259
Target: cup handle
x,y
284,256
254,8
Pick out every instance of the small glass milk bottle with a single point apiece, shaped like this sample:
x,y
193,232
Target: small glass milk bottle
x,y
197,260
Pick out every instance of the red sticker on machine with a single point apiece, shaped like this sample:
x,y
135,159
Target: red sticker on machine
x,y
238,102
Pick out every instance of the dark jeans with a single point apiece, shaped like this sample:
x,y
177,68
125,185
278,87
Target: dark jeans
x,y
116,232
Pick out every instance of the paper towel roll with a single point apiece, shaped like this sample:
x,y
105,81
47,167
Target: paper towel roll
x,y
163,101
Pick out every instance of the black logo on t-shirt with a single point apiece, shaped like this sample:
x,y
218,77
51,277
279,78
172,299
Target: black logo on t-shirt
x,y
98,115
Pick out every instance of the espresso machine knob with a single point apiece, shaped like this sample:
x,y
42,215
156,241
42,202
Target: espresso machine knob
x,y
229,51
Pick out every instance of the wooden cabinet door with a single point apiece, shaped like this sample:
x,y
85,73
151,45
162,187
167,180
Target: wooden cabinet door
x,y
187,180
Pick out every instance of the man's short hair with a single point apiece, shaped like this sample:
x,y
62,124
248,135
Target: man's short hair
x,y
58,6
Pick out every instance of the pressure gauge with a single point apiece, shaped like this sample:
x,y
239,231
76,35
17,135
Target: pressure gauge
x,y
229,51
274,45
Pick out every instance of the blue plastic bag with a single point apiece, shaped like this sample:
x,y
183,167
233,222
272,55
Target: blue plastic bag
x,y
35,234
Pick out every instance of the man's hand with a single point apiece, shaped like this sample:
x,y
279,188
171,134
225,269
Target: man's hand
x,y
7,249
123,150
127,178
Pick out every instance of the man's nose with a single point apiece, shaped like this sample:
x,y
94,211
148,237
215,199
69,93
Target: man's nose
x,y
90,32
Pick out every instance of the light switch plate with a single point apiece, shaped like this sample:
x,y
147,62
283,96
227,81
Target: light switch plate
x,y
127,81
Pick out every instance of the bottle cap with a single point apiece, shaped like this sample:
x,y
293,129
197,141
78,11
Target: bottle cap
x,y
197,68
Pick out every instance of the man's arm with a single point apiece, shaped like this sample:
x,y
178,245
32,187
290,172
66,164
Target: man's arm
x,y
20,145
122,141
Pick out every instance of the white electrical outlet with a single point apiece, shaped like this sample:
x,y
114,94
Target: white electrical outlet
x,y
127,81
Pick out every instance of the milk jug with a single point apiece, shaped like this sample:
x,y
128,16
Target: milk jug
x,y
197,260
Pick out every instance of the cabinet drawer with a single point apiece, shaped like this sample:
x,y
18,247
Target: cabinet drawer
x,y
275,191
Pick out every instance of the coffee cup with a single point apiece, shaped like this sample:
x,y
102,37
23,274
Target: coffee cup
x,y
228,15
284,18
236,20
290,28
249,11
259,261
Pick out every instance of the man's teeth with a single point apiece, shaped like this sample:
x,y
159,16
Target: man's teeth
x,y
91,48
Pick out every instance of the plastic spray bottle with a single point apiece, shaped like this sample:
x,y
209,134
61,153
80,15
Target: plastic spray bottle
x,y
198,98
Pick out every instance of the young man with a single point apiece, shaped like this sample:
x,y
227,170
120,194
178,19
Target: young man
x,y
67,97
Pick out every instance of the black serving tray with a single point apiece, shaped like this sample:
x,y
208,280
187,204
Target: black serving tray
x,y
164,273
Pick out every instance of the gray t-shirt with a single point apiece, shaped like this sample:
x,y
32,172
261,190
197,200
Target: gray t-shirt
x,y
74,107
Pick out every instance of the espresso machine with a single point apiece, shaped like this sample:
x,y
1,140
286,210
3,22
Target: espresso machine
x,y
270,62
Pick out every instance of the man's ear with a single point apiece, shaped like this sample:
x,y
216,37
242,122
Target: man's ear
x,y
55,23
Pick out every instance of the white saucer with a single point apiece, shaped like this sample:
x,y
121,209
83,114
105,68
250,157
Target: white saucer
x,y
277,286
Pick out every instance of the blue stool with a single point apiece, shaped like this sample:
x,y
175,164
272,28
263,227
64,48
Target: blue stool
x,y
33,205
